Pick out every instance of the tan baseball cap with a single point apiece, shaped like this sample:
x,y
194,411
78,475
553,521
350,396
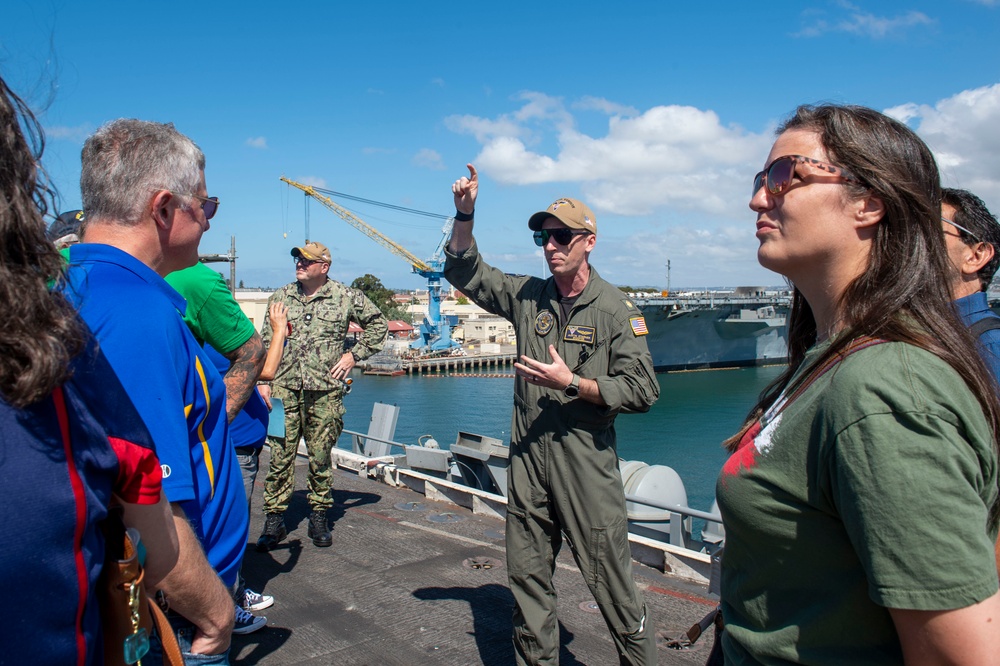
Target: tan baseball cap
x,y
313,252
571,212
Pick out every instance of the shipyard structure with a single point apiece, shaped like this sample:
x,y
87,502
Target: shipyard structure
x,y
688,330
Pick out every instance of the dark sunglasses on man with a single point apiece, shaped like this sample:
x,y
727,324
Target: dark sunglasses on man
x,y
208,204
560,236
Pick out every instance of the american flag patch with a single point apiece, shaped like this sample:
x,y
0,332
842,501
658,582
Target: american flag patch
x,y
638,325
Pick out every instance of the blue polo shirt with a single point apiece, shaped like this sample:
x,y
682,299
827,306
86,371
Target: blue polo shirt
x,y
971,309
175,387
249,428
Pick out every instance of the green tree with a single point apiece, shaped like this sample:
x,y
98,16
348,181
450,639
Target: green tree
x,y
379,295
462,300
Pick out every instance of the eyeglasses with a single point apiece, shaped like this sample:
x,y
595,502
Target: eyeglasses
x,y
210,205
973,236
561,236
306,263
778,176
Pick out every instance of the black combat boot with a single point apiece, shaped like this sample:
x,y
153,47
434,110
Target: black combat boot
x,y
274,532
318,531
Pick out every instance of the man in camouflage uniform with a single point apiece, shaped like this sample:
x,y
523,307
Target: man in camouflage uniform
x,y
310,383
563,478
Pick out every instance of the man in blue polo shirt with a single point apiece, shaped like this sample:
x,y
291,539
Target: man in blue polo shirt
x,y
972,238
144,194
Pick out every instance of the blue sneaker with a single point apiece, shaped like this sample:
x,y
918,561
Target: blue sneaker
x,y
254,601
247,623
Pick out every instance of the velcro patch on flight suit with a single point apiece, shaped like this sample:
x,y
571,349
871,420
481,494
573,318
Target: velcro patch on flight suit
x,y
544,322
584,334
638,325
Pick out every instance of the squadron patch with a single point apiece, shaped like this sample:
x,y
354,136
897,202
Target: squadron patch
x,y
638,325
544,322
584,334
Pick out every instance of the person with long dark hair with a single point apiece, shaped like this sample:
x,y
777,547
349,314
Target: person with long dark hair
x,y
72,443
860,500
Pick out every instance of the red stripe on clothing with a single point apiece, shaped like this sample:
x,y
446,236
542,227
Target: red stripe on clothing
x,y
80,503
140,479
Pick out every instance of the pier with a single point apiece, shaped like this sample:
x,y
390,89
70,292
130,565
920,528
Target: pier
x,y
485,365
418,580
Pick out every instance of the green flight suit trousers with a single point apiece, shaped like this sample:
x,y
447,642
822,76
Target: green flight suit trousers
x,y
567,485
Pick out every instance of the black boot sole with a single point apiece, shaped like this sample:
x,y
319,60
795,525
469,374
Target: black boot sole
x,y
320,542
268,543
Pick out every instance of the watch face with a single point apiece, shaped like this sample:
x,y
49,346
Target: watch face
x,y
571,391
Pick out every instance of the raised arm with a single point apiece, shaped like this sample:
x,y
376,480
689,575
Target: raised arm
x,y
465,189
278,317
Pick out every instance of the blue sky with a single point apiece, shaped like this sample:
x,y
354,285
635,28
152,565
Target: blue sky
x,y
657,114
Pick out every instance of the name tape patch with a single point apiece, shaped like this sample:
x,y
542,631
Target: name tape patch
x,y
584,334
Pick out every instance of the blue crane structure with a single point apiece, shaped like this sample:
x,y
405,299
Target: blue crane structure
x,y
435,332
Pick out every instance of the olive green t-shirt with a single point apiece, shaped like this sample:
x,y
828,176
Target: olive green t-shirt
x,y
869,491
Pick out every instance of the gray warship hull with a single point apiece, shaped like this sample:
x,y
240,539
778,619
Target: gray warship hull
x,y
702,332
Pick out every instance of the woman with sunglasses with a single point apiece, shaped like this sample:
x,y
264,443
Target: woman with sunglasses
x,y
860,500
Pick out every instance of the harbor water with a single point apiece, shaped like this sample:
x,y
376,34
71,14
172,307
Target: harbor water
x,y
683,430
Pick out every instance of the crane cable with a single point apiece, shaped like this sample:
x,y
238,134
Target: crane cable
x,y
401,209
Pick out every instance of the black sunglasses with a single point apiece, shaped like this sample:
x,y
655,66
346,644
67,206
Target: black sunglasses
x,y
561,236
778,175
305,262
210,205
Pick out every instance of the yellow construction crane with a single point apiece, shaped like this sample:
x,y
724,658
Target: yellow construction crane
x,y
434,331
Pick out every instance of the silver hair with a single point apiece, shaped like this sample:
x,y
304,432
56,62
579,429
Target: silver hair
x,y
126,160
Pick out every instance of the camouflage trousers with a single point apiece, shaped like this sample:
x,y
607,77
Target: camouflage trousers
x,y
319,417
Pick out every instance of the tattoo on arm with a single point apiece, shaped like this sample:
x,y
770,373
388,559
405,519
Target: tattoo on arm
x,y
246,363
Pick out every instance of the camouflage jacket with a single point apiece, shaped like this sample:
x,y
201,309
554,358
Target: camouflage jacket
x,y
319,329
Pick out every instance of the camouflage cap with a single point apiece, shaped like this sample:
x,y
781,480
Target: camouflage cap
x,y
571,212
313,252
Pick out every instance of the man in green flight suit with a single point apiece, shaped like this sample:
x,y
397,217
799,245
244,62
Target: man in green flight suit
x,y
310,383
583,360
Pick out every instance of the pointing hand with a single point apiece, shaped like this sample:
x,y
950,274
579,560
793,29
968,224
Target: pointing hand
x,y
466,189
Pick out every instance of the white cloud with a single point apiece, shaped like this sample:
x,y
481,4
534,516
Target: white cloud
x,y
428,159
673,182
604,106
865,24
257,142
78,133
438,81
372,150
962,132
313,181
666,156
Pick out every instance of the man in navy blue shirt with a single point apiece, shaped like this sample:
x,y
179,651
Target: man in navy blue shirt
x,y
972,237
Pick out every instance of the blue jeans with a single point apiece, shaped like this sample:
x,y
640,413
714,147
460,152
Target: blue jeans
x,y
184,630
248,458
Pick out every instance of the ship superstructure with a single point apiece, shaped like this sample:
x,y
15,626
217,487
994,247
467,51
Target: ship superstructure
x,y
717,328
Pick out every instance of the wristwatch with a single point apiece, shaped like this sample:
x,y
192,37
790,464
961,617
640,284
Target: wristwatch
x,y
355,357
573,389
